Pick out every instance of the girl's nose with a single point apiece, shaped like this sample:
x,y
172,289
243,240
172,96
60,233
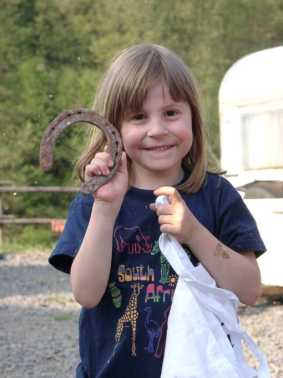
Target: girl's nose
x,y
157,128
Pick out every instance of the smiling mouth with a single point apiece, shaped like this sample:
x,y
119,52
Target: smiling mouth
x,y
159,148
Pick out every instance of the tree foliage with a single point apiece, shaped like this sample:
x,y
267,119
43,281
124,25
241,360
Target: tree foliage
x,y
53,54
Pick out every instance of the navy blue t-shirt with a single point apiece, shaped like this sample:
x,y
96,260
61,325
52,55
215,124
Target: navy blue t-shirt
x,y
124,335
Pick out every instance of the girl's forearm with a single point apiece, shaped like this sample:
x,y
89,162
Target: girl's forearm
x,y
231,270
91,266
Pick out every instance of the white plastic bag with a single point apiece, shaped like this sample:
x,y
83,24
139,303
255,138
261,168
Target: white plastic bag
x,y
200,320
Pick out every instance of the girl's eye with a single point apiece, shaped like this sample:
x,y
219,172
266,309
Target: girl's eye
x,y
138,117
171,113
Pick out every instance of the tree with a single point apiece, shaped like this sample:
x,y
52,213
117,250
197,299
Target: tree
x,y
54,54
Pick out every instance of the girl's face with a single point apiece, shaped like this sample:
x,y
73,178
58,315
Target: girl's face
x,y
157,138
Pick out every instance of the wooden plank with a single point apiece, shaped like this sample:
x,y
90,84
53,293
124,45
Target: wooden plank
x,y
57,225
1,228
29,220
39,189
272,291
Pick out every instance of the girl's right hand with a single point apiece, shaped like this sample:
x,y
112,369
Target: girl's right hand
x,y
115,189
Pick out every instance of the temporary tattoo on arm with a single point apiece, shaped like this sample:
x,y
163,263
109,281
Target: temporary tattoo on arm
x,y
220,251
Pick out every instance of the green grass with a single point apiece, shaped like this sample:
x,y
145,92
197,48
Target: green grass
x,y
59,298
62,317
17,238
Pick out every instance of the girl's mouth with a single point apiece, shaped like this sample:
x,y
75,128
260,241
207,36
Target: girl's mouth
x,y
159,148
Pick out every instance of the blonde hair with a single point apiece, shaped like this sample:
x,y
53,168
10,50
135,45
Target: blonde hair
x,y
124,89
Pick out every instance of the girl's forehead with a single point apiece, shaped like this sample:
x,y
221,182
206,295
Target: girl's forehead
x,y
157,87
159,91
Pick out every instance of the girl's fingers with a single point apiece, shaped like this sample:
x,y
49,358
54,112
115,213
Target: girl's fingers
x,y
105,157
99,165
169,191
164,210
165,219
161,209
164,190
97,168
167,229
152,206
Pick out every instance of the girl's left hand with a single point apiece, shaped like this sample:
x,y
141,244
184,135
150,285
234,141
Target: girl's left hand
x,y
175,218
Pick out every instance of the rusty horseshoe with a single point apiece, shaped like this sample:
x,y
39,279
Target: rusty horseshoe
x,y
65,120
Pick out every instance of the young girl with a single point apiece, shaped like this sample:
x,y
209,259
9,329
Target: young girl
x,y
110,242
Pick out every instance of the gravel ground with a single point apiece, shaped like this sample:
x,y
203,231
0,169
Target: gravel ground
x,y
38,321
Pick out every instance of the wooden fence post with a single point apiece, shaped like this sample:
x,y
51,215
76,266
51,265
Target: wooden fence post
x,y
2,183
1,227
57,225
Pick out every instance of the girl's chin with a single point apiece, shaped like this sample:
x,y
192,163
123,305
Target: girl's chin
x,y
161,171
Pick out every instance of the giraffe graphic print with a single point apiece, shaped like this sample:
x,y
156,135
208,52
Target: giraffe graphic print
x,y
130,316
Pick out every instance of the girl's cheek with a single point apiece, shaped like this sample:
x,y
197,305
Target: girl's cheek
x,y
186,138
131,139
184,133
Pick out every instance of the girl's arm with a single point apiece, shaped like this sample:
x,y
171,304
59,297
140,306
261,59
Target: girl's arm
x,y
91,267
235,271
230,269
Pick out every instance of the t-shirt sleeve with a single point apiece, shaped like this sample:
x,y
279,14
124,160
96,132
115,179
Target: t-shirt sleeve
x,y
237,226
70,240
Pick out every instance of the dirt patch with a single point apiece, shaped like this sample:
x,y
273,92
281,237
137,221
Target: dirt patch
x,y
38,332
39,321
